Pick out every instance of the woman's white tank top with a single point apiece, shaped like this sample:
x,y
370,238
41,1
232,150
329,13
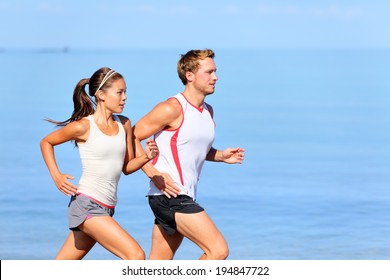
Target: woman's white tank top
x,y
102,157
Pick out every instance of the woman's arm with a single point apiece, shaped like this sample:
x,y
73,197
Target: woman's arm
x,y
76,131
133,163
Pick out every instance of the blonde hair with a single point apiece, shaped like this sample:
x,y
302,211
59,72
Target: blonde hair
x,y
189,62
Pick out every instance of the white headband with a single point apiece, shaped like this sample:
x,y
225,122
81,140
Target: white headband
x,y
105,79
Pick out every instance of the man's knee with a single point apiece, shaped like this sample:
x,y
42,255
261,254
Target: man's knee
x,y
222,253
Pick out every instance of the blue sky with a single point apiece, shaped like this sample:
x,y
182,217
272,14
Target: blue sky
x,y
242,24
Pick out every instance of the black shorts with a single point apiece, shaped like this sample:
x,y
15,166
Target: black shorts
x,y
164,209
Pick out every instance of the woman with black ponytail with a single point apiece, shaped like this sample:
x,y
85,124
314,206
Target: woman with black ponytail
x,y
105,143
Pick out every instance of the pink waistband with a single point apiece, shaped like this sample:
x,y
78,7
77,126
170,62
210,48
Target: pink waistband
x,y
97,201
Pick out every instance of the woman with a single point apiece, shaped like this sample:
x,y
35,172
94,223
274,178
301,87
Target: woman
x,y
106,149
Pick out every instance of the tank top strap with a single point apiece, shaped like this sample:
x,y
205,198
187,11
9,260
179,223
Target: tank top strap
x,y
92,124
120,125
182,100
180,97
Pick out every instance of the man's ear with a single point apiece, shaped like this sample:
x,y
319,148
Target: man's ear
x,y
189,76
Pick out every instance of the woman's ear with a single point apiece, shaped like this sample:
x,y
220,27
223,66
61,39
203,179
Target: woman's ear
x,y
100,95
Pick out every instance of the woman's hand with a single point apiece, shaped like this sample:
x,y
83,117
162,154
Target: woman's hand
x,y
64,185
151,149
166,185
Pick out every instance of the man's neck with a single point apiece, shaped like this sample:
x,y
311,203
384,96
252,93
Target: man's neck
x,y
196,98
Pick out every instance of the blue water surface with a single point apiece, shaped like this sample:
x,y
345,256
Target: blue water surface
x,y
314,124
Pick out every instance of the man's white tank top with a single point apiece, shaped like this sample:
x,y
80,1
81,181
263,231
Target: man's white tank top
x,y
182,151
102,157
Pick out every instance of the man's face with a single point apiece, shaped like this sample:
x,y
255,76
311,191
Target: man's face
x,y
205,78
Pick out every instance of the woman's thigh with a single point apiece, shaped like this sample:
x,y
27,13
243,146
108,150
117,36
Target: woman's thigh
x,y
76,246
108,233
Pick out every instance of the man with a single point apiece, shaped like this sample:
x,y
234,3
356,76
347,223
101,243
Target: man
x,y
183,129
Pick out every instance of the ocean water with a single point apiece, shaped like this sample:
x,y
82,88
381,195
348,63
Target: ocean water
x,y
315,126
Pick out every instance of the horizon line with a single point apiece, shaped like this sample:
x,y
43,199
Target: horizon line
x,y
67,49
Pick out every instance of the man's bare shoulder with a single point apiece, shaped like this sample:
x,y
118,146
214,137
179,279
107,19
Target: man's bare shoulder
x,y
169,108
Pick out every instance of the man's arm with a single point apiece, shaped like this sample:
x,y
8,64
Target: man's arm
x,y
165,115
229,155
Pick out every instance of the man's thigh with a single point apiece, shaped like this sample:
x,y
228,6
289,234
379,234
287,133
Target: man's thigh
x,y
199,228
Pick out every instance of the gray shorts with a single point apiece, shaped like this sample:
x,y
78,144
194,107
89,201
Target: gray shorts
x,y
164,210
81,207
